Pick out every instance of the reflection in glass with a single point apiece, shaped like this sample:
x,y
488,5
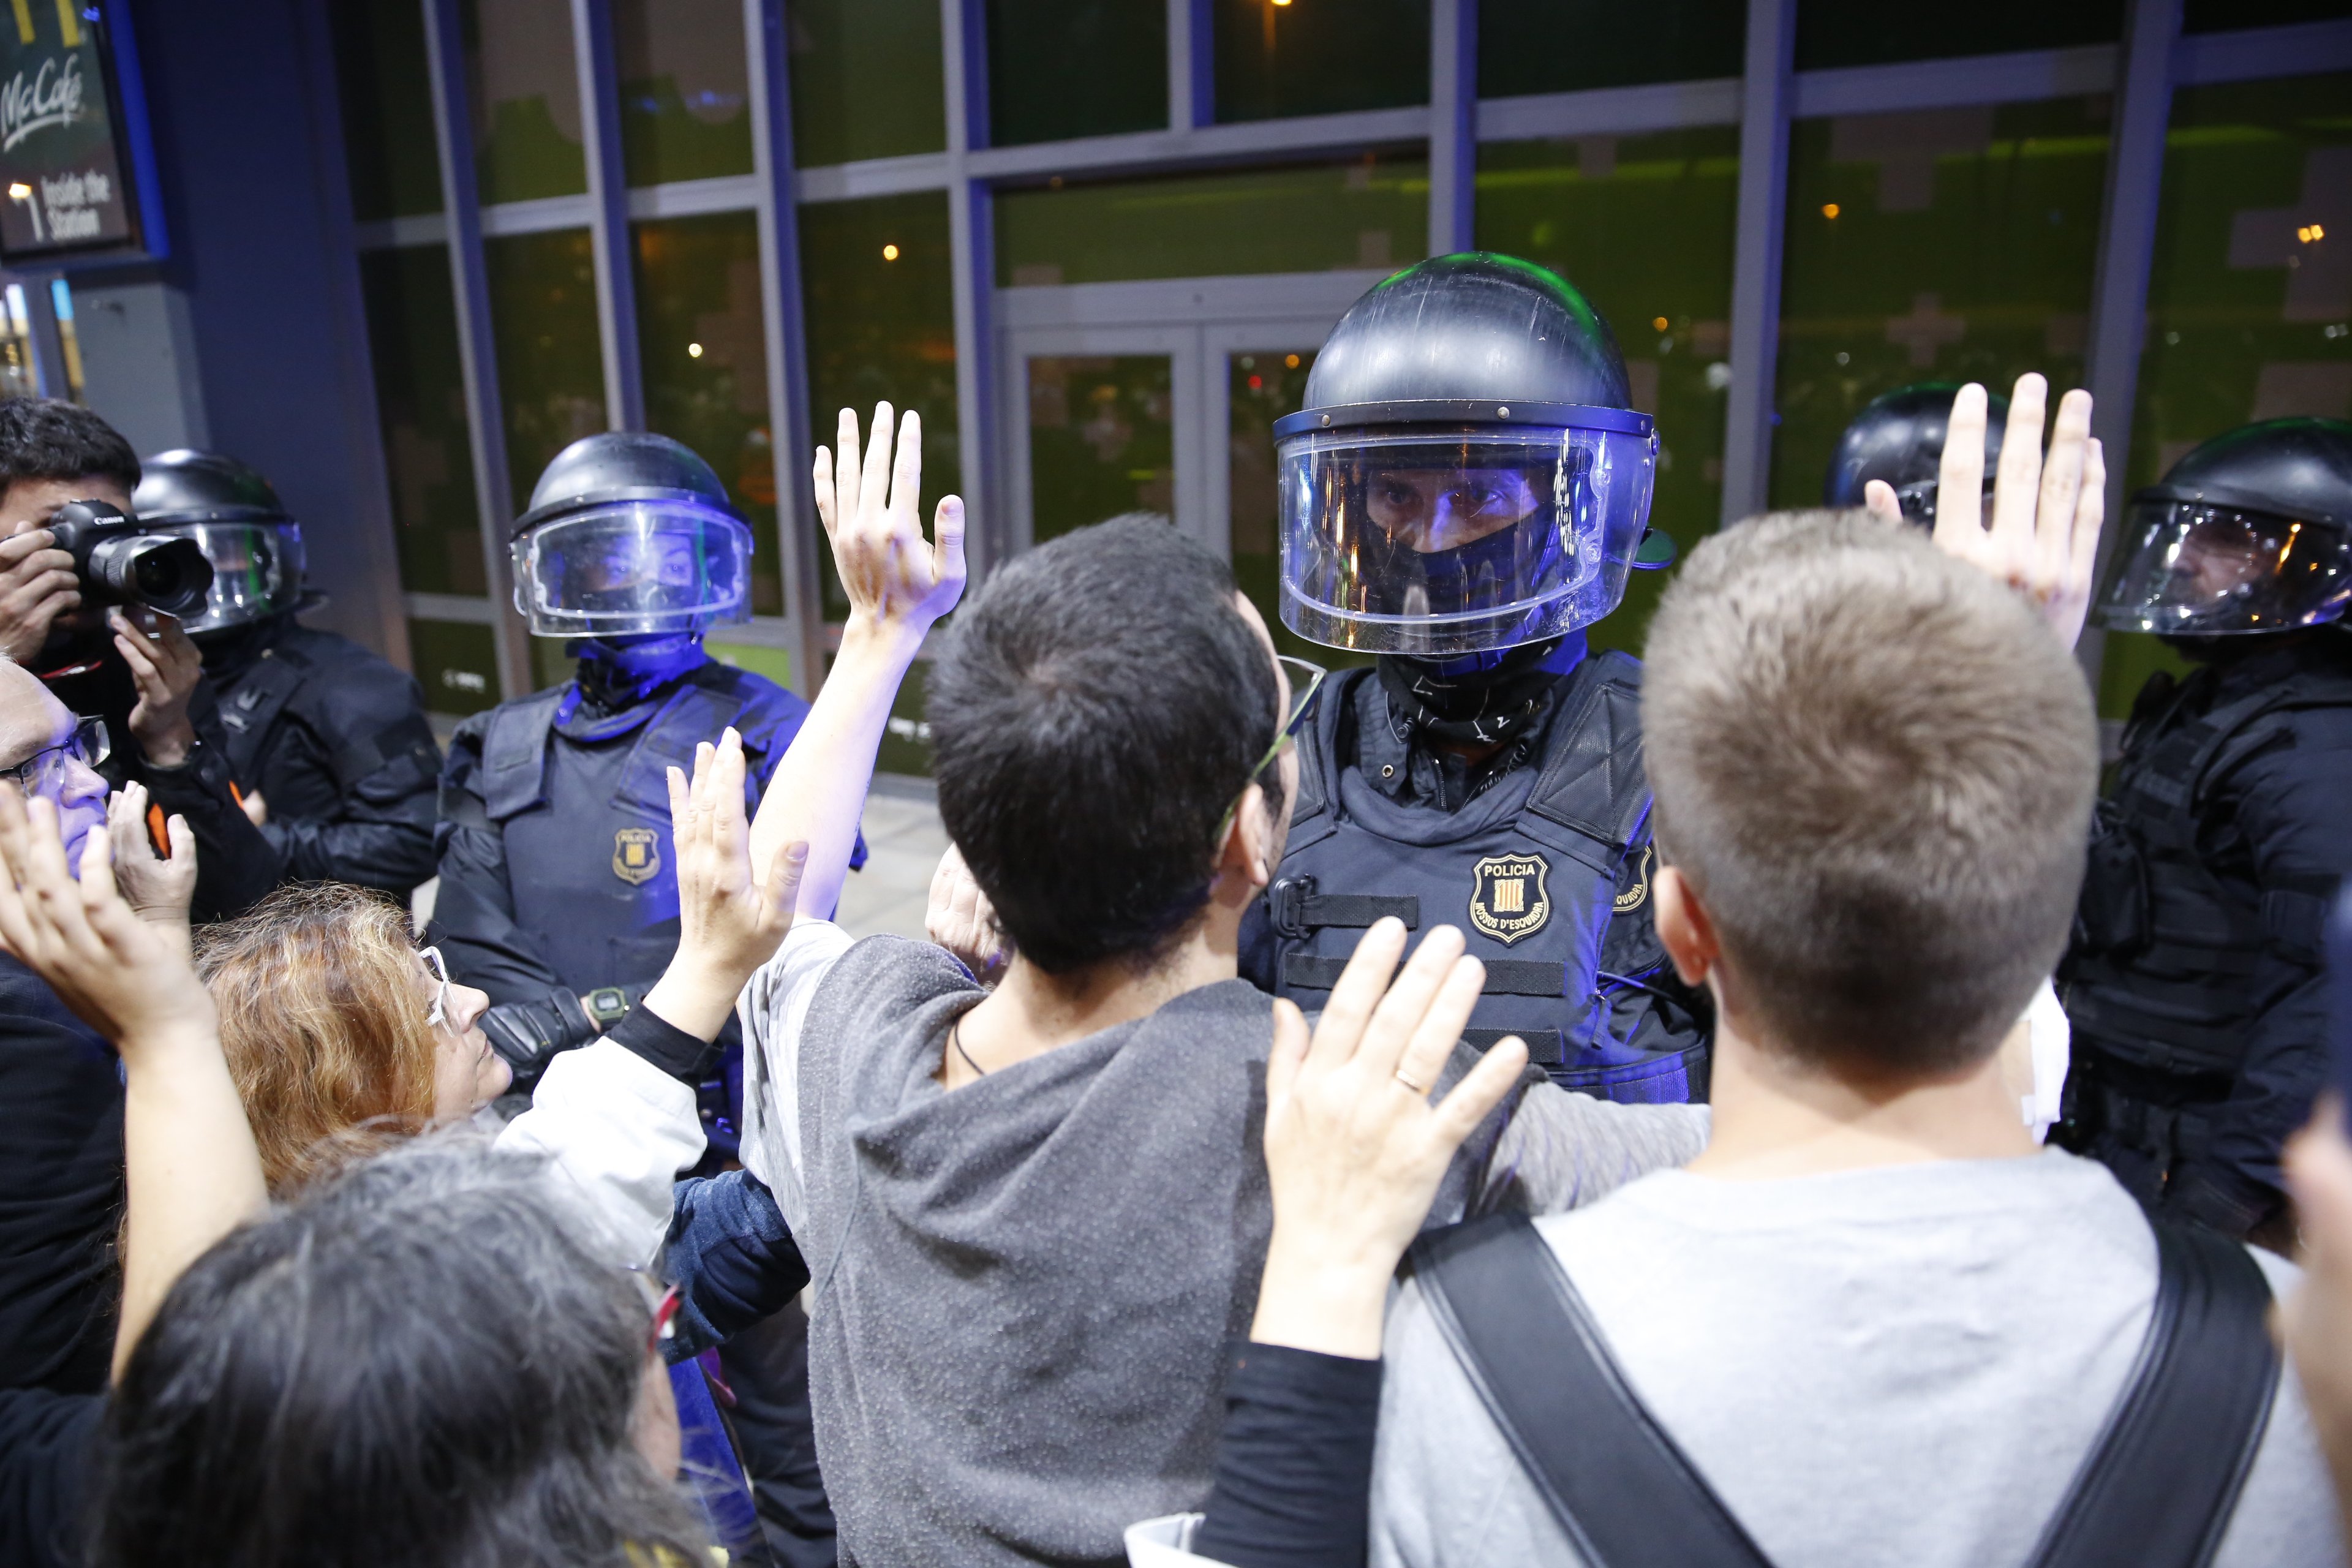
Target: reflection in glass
x,y
1102,439
1644,227
701,342
456,662
1264,384
420,398
550,364
684,90
1372,212
1278,60
881,329
1060,68
387,110
524,91
866,79
1543,45
2248,318
1942,245
16,376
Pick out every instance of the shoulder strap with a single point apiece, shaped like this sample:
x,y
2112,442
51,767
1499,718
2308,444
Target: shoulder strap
x,y
1619,1487
514,754
2161,1481
1593,782
1318,749
246,714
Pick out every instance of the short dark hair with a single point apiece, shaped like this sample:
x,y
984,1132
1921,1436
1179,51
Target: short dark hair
x,y
49,439
339,1385
1098,707
1875,765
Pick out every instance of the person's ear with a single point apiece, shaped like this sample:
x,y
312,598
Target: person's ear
x,y
1248,849
1683,925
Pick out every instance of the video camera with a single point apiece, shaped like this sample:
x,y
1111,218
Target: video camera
x,y
118,564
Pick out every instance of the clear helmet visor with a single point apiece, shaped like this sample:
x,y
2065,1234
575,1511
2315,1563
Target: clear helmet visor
x,y
634,566
2188,569
257,570
1442,543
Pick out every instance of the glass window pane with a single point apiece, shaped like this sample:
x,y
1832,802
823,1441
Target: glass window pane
x,y
686,92
16,377
420,399
2250,290
877,290
1643,225
1567,46
388,139
525,93
704,349
551,359
1059,68
867,79
2227,15
1102,439
1944,245
1275,61
1871,32
456,662
1370,213
1264,384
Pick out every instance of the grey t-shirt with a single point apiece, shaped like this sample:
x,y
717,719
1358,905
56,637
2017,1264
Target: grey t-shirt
x,y
1900,1365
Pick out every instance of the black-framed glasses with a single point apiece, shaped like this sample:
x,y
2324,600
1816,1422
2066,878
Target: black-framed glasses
x,y
439,1015
43,772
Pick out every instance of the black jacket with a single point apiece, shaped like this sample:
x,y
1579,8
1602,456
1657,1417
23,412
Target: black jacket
x,y
337,742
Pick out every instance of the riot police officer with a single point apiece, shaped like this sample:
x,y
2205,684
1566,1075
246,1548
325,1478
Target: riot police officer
x,y
328,742
1899,438
2195,981
1463,493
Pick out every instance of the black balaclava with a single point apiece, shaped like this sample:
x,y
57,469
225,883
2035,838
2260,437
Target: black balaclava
x,y
618,673
1482,700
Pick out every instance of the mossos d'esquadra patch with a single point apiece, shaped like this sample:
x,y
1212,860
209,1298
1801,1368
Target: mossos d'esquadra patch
x,y
1508,900
636,856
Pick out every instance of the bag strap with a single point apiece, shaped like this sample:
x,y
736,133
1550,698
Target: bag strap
x,y
2163,1478
2157,1491
1621,1490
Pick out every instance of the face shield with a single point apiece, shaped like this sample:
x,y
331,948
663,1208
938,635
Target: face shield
x,y
1435,541
257,570
2186,568
632,567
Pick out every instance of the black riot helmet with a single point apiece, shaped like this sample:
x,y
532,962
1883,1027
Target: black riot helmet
x,y
2250,531
1898,436
235,517
1469,473
630,533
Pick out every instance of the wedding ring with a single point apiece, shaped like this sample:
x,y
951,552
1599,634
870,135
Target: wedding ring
x,y
1416,1088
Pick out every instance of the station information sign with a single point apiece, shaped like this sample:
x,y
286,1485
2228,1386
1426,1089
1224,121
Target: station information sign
x,y
62,165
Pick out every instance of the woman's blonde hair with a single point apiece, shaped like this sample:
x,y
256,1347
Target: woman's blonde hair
x,y
321,1024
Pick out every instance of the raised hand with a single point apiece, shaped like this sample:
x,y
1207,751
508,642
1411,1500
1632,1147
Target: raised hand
x,y
960,918
731,921
157,889
2043,539
165,667
892,576
1354,1150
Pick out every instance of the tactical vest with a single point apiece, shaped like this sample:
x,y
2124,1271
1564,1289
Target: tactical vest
x,y
2165,952
1528,870
249,716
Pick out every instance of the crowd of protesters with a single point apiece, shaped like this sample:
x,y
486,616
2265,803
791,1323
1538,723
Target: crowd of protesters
x,y
1107,1254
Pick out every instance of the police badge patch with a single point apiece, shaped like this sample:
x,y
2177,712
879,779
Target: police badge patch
x,y
636,856
1508,900
1632,898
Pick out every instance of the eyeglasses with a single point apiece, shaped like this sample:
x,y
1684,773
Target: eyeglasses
x,y
1306,684
43,773
439,1016
663,1304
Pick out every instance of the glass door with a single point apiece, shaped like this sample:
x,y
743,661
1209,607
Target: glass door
x,y
1102,423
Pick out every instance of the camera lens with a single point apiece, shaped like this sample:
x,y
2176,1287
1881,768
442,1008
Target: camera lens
x,y
156,569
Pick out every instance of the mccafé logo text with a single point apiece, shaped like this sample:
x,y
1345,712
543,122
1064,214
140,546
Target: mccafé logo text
x,y
52,98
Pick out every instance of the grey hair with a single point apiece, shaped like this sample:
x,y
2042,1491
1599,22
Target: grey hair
x,y
414,1363
1876,766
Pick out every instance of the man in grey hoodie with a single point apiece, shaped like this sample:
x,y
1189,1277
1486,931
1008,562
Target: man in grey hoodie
x,y
1035,1215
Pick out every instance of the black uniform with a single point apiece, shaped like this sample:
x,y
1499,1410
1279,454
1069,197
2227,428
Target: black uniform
x,y
337,742
2196,985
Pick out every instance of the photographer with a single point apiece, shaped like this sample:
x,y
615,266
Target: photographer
x,y
130,667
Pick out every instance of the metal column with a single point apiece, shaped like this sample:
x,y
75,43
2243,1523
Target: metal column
x,y
1765,94
608,222
1453,124
1192,40
971,244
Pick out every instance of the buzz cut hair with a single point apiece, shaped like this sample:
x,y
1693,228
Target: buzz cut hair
x,y
1875,767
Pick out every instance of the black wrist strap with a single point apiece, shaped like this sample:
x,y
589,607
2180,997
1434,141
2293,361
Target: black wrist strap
x,y
665,1045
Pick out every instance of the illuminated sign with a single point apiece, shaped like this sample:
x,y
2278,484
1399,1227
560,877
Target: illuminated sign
x,y
64,182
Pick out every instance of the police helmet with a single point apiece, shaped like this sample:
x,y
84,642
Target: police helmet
x,y
2250,531
1898,436
235,517
1469,473
630,533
